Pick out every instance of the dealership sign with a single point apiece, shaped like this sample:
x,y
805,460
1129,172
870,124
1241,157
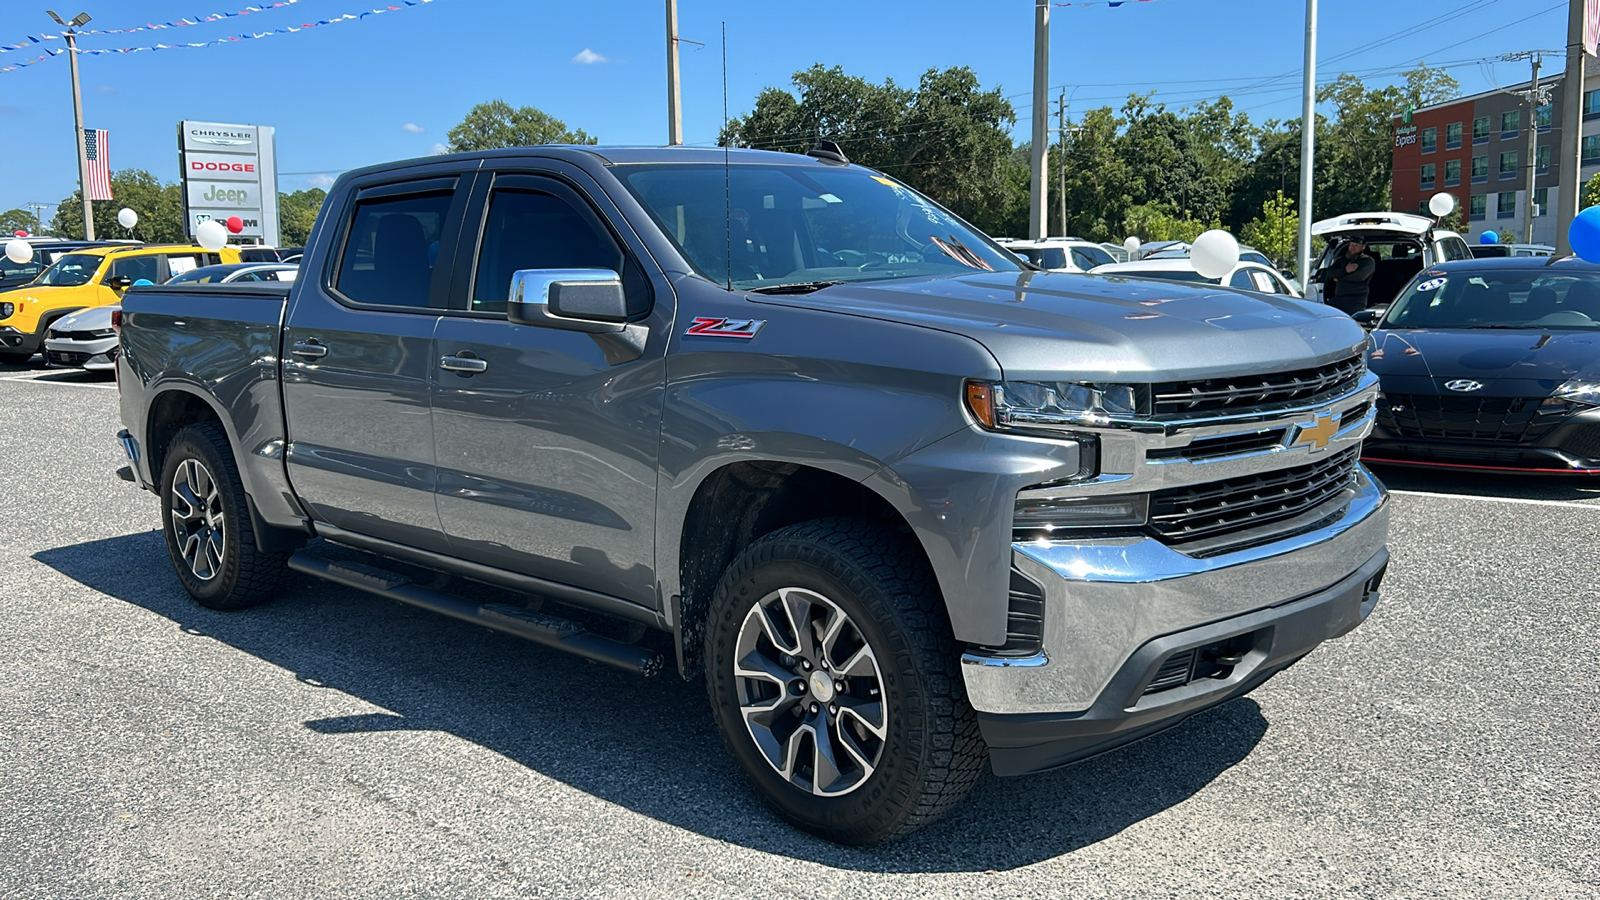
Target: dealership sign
x,y
230,171
1405,135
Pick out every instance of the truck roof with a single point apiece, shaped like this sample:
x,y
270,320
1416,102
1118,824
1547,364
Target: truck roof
x,y
620,156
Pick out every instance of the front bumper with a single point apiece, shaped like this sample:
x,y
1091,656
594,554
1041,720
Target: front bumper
x,y
96,356
13,340
1115,611
1570,447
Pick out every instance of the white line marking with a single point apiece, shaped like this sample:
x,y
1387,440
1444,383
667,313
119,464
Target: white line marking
x,y
27,379
1576,504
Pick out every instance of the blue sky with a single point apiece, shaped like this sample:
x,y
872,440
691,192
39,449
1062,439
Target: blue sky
x,y
390,86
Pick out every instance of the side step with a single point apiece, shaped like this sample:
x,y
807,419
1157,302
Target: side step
x,y
551,631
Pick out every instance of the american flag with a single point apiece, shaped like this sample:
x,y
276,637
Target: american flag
x,y
98,150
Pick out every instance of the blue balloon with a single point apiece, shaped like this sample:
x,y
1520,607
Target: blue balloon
x,y
144,282
1585,234
1489,237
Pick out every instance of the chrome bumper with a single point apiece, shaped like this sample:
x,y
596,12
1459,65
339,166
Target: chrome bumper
x,y
1105,600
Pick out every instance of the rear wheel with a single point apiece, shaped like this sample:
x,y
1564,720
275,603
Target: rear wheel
x,y
207,524
833,676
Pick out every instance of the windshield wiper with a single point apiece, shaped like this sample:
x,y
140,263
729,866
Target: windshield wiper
x,y
798,287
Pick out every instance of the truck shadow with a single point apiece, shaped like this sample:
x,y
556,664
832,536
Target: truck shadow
x,y
1490,484
646,745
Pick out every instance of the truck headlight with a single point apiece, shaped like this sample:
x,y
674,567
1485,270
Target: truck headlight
x,y
1049,405
1580,391
1039,516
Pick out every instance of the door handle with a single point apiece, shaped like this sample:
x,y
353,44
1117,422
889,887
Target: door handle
x,y
309,349
466,365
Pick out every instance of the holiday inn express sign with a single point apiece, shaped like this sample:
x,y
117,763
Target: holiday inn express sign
x,y
230,170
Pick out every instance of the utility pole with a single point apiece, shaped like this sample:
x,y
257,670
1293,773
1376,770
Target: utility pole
x,y
1061,178
1038,225
1308,132
78,21
38,215
674,107
1569,168
1535,100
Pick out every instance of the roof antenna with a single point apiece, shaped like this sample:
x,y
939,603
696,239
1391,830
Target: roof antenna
x,y
727,191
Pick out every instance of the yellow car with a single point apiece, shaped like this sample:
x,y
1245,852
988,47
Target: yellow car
x,y
94,276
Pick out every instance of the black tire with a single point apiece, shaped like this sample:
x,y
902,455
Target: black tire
x,y
15,359
240,575
932,753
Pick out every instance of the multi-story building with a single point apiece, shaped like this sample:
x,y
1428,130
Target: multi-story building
x,y
1477,149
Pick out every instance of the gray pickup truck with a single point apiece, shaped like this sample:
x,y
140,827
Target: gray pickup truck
x,y
782,423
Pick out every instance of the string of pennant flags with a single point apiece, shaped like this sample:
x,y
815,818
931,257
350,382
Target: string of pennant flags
x,y
1111,3
34,42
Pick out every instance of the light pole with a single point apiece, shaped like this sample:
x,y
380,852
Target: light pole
x,y
1308,143
674,113
78,21
1038,217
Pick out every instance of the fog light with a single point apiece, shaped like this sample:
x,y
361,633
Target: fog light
x,y
1041,516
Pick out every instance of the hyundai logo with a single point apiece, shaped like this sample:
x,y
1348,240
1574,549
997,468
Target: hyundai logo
x,y
1464,385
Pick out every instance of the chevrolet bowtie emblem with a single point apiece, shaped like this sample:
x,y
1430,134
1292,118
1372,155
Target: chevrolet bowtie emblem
x,y
1317,433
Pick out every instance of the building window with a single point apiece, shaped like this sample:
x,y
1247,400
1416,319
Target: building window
x,y
1506,208
1510,123
1480,130
1541,199
1476,205
1508,165
1480,169
1427,175
1591,104
1591,149
1542,157
1452,136
1542,117
1452,172
1430,140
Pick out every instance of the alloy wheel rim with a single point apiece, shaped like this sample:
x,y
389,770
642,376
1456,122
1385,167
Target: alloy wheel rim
x,y
198,522
811,692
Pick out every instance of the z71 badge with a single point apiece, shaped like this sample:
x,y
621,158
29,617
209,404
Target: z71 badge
x,y
708,326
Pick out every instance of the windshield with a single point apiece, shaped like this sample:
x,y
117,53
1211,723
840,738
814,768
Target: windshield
x,y
806,226
1507,298
71,270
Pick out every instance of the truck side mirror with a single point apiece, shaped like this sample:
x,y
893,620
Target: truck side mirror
x,y
586,300
1367,318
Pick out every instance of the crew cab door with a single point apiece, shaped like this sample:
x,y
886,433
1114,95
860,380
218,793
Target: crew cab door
x,y
546,438
358,358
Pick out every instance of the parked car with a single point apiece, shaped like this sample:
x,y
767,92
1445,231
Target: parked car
x,y
1181,251
1249,276
1500,251
93,276
259,253
904,504
86,339
1062,254
1400,243
1491,364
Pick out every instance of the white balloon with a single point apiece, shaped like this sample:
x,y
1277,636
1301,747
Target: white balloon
x,y
127,218
1442,204
212,235
1214,253
1131,245
19,251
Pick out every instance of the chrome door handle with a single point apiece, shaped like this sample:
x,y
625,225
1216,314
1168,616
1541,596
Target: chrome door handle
x,y
309,349
466,365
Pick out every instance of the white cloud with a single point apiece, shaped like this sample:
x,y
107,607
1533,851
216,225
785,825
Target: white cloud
x,y
323,181
587,57
437,149
413,128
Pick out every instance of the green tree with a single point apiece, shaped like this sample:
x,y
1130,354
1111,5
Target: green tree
x,y
1276,231
496,124
297,212
160,209
947,138
15,220
1359,146
1426,86
1591,192
1160,222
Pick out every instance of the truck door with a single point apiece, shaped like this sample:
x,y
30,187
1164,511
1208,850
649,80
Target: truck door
x,y
358,359
546,439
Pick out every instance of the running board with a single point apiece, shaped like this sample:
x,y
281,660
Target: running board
x,y
551,631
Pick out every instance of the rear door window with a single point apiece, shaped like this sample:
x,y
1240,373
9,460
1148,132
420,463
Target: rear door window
x,y
179,263
1241,279
137,267
390,250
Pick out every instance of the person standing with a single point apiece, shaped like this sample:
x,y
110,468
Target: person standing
x,y
1349,277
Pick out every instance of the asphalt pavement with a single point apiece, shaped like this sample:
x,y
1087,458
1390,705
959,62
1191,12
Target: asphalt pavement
x,y
336,744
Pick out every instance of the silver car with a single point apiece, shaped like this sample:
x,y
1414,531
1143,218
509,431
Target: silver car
x,y
86,340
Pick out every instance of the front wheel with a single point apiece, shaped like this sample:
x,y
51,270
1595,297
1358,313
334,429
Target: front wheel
x,y
834,677
207,524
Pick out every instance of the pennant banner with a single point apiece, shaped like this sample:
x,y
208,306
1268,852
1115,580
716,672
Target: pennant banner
x,y
347,17
191,20
1111,3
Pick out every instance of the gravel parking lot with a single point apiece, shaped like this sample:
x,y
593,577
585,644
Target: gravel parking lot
x,y
336,744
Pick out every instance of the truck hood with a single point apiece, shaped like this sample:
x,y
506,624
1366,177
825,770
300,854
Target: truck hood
x,y
1508,363
1060,326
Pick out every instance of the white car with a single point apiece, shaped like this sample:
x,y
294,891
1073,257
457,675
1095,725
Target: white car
x,y
1181,251
86,340
1402,244
1062,254
1249,276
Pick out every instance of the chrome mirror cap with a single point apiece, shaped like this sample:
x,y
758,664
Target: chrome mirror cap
x,y
586,300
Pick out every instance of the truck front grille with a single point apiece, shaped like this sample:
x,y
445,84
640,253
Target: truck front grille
x,y
1501,420
1207,511
1242,394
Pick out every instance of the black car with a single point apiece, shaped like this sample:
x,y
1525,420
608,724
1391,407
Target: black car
x,y
1491,364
